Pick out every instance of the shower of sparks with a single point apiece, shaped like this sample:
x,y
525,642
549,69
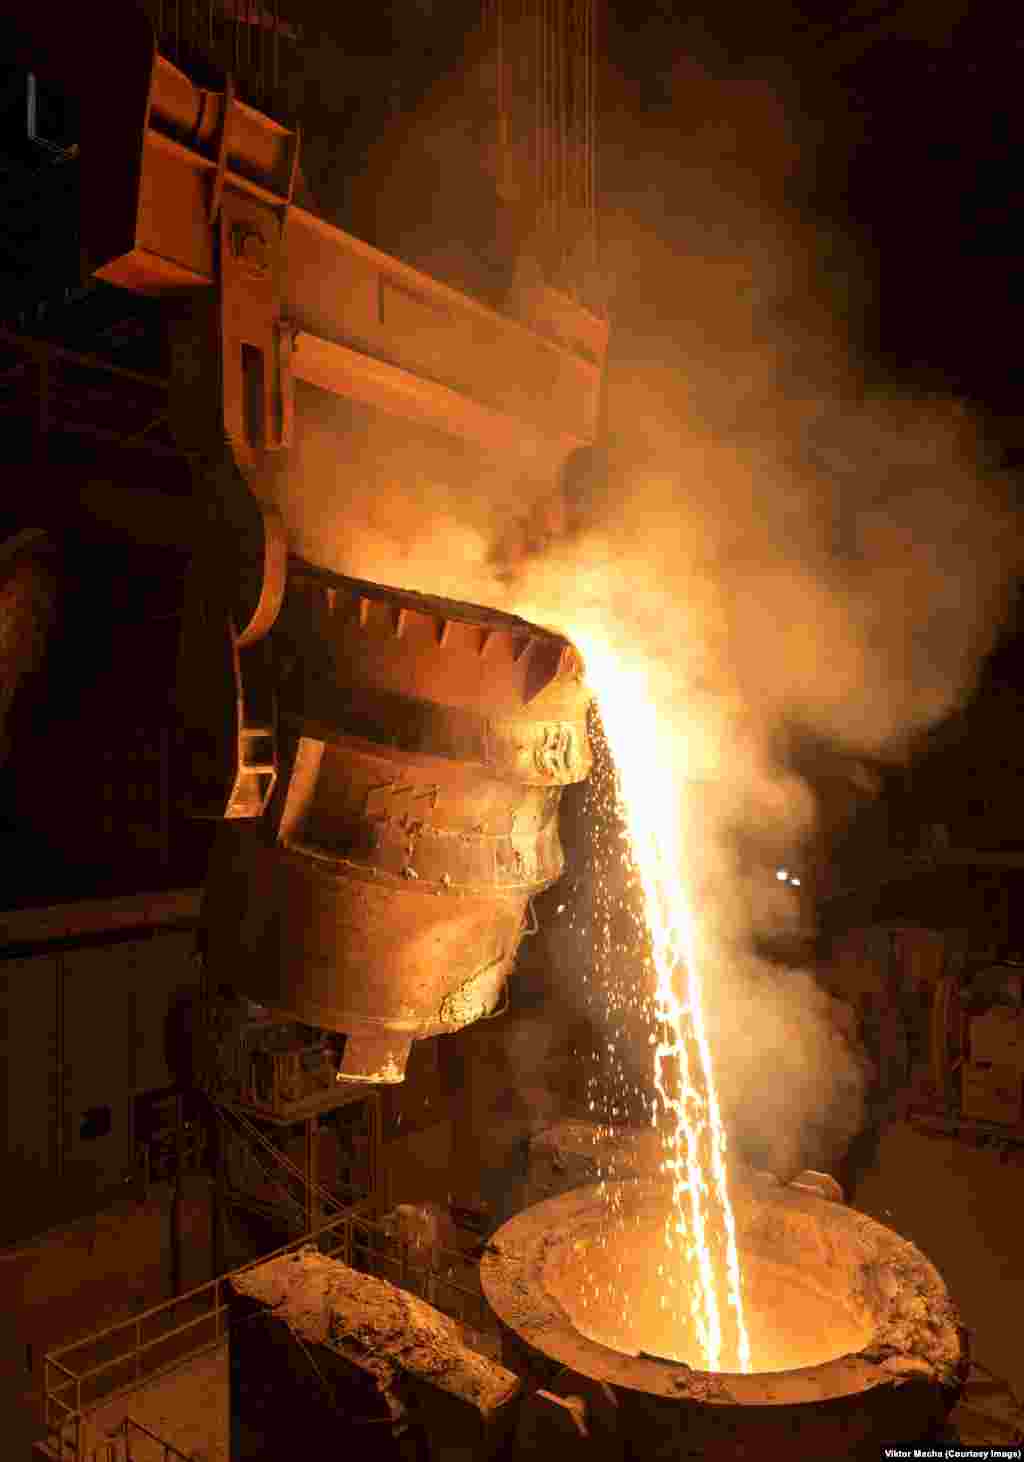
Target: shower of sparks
x,y
693,1136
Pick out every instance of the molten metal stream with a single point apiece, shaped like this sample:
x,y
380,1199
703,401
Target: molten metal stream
x,y
702,1216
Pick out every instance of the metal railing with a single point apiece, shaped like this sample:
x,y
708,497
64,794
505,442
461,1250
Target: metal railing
x,y
80,1377
84,1374
117,1447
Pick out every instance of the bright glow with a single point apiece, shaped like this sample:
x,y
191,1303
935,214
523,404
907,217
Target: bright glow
x,y
650,801
782,875
795,882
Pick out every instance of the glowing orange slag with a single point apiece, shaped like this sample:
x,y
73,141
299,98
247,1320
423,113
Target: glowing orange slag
x,y
702,1216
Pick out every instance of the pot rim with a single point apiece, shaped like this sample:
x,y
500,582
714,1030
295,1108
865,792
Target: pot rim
x,y
512,1279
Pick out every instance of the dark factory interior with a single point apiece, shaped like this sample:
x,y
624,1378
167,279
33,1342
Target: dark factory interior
x,y
568,991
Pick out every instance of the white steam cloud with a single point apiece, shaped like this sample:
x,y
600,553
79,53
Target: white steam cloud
x,y
779,542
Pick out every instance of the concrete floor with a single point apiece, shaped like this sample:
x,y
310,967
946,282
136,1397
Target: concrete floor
x,y
187,1407
964,1208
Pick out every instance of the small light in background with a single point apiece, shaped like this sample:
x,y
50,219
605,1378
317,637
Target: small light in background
x,y
795,882
782,875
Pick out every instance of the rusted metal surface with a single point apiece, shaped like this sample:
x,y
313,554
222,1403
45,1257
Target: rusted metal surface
x,y
380,1329
374,1058
379,384
352,953
192,192
269,570
228,710
226,409
498,692
255,344
176,156
899,1383
381,848
424,748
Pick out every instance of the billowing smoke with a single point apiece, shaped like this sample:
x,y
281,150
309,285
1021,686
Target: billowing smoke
x,y
786,546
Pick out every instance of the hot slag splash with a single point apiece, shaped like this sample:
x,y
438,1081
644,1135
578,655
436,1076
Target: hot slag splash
x,y
700,1233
